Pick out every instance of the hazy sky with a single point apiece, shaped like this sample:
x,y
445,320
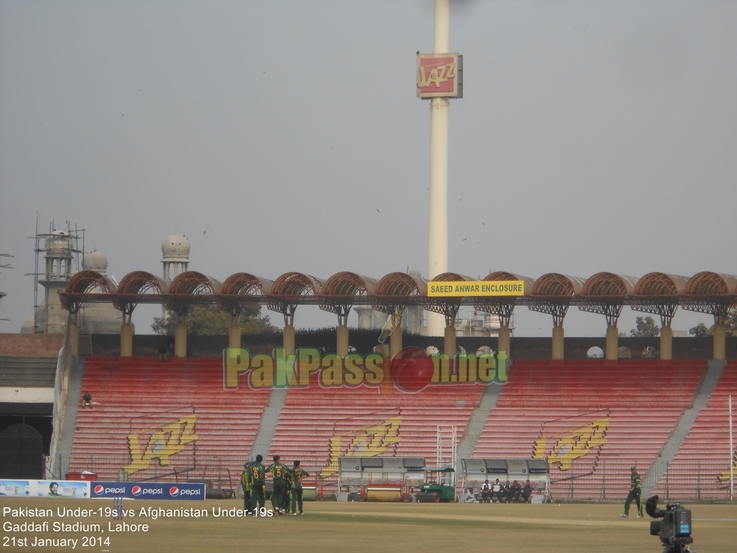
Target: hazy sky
x,y
286,136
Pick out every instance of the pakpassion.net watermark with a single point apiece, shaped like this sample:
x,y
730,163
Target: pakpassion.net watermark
x,y
411,370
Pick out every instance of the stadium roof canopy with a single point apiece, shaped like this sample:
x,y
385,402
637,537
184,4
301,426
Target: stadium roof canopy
x,y
552,293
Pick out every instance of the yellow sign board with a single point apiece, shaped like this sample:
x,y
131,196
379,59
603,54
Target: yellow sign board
x,y
476,288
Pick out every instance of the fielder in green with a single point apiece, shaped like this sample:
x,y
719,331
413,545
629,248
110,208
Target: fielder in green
x,y
297,476
246,485
257,478
634,494
278,472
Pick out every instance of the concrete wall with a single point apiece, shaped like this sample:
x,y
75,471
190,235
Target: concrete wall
x,y
31,345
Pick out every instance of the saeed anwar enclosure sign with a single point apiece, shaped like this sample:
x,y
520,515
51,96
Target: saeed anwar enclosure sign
x,y
476,288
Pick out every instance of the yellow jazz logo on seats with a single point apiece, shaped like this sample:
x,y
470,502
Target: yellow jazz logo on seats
x,y
164,441
725,476
368,441
571,444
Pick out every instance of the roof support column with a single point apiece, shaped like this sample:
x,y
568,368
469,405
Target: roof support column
x,y
449,341
180,337
558,342
719,332
666,343
612,343
234,332
341,338
504,341
288,339
126,339
73,335
395,341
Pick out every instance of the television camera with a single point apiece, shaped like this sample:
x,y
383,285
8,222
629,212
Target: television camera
x,y
675,528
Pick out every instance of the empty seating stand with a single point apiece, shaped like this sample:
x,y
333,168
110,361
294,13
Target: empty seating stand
x,y
319,425
700,469
592,420
152,418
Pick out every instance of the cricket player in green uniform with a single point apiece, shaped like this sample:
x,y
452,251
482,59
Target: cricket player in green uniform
x,y
635,493
287,500
246,485
297,476
257,477
278,472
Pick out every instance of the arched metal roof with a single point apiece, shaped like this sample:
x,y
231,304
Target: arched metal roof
x,y
89,282
190,287
556,285
240,289
552,294
447,306
659,294
141,282
393,291
288,288
135,284
605,293
608,284
707,283
660,285
712,293
84,284
502,306
341,291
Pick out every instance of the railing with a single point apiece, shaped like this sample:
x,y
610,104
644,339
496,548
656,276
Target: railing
x,y
684,480
610,481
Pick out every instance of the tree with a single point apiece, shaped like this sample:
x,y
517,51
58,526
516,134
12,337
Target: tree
x,y
208,320
730,327
646,328
700,331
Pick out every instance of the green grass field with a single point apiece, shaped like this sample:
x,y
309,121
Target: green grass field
x,y
375,527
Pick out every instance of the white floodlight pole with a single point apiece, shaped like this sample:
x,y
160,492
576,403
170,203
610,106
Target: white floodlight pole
x,y
437,242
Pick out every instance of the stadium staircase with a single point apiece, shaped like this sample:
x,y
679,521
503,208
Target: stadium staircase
x,y
700,469
169,420
591,419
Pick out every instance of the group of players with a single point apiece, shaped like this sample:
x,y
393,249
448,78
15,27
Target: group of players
x,y
287,495
506,493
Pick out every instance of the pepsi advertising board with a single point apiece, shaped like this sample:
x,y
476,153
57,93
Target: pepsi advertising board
x,y
148,490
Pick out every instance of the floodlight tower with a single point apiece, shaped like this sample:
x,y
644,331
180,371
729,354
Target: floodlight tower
x,y
439,77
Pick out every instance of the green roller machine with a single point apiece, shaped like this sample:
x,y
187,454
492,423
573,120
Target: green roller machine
x,y
439,486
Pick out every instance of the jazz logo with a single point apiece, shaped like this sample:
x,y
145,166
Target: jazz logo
x,y
571,444
164,441
369,441
436,75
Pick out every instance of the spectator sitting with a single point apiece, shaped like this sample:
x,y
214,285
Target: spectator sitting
x,y
526,492
514,492
505,493
468,497
496,489
486,492
87,400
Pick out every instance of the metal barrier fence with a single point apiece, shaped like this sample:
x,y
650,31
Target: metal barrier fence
x,y
608,480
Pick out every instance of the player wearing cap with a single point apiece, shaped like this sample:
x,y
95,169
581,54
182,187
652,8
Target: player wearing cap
x,y
635,493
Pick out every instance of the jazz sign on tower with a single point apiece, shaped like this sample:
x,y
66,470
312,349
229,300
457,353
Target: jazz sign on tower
x,y
439,76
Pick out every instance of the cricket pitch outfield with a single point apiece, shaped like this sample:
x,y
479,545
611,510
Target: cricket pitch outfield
x,y
354,527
